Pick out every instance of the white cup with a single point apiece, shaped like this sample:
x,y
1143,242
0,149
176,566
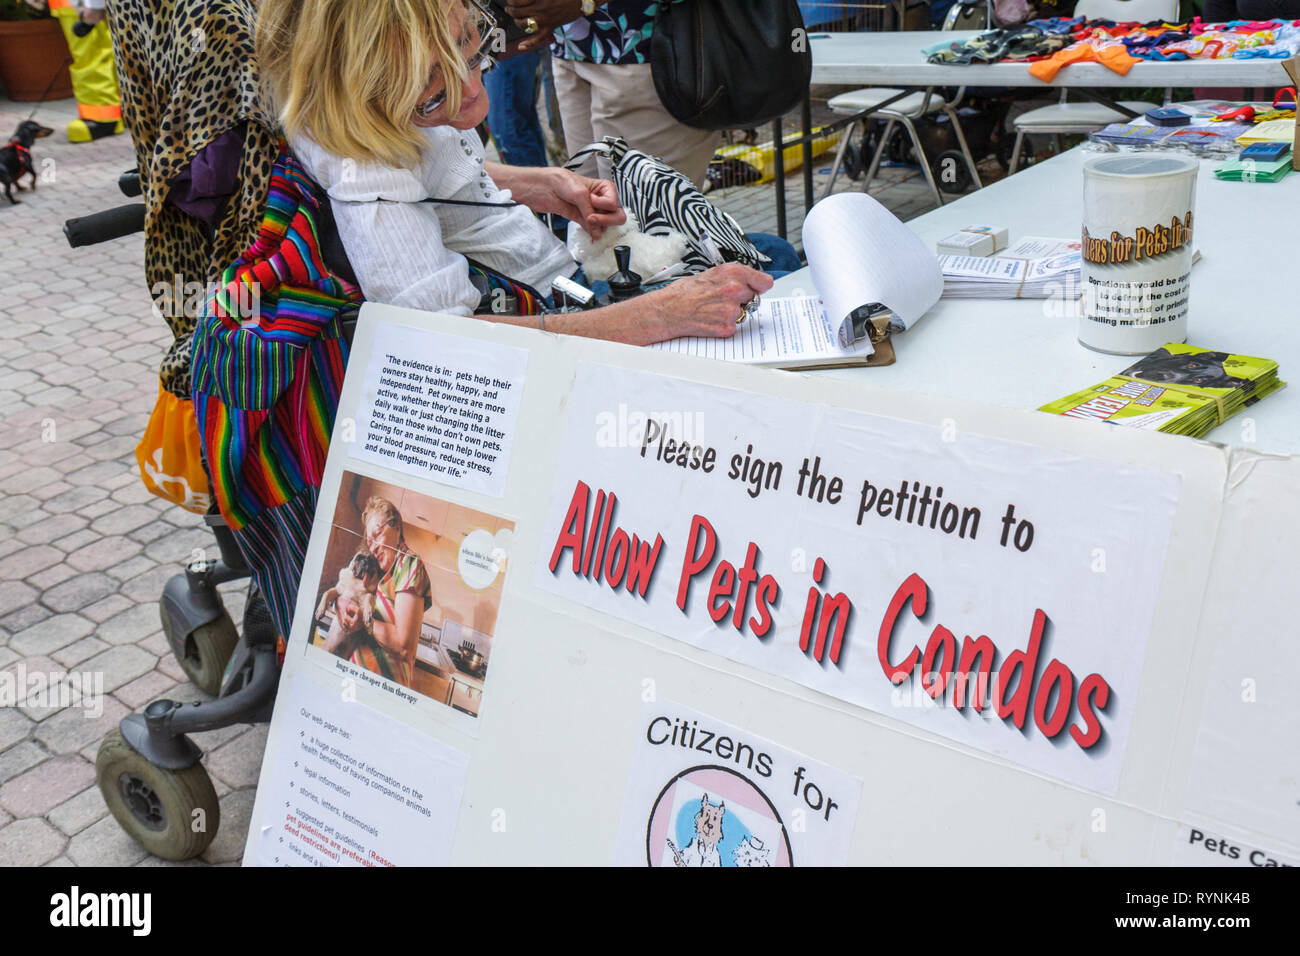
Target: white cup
x,y
1137,250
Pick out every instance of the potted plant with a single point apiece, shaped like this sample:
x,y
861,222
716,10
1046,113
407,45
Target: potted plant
x,y
32,53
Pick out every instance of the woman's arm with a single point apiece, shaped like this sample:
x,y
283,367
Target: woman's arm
x,y
401,636
591,203
707,304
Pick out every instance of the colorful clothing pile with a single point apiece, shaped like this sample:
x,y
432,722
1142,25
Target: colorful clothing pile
x,y
1050,45
268,363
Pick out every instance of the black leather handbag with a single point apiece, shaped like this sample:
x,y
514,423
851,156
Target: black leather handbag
x,y
720,64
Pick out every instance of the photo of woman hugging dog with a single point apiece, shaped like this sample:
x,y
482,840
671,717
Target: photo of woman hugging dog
x,y
352,602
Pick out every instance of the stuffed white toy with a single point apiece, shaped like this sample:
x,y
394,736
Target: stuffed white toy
x,y
650,254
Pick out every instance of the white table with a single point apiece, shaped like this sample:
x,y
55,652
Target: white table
x,y
895,59
1008,352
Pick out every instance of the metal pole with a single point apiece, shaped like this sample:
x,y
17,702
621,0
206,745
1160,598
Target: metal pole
x,y
779,174
806,112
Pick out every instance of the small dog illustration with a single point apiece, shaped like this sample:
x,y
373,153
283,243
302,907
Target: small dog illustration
x,y
353,600
16,157
703,850
752,852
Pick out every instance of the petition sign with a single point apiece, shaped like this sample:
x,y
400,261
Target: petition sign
x,y
995,593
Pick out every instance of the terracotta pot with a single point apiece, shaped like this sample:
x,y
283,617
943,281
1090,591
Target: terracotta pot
x,y
30,52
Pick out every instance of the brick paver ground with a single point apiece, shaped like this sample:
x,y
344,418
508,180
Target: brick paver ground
x,y
84,548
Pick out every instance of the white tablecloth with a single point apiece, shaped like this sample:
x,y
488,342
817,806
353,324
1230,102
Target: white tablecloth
x,y
1009,352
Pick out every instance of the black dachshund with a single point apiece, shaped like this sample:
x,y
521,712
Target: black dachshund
x,y
16,156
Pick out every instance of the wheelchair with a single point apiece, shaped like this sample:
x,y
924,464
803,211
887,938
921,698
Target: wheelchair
x,y
148,770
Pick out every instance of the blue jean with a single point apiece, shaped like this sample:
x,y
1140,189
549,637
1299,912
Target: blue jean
x,y
784,259
512,109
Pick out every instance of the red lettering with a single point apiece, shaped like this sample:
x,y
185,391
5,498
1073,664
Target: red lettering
x,y
616,558
767,592
837,609
1024,663
575,521
915,590
641,568
1093,692
984,649
697,557
724,579
809,611
595,529
747,575
605,522
942,644
1056,673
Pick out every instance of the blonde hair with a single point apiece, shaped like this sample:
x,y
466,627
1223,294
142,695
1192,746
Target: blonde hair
x,y
349,73
376,505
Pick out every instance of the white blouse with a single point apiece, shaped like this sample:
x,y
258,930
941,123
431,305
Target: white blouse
x,y
410,253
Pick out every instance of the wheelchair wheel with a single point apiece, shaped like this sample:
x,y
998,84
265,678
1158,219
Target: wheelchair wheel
x,y
204,652
950,172
173,814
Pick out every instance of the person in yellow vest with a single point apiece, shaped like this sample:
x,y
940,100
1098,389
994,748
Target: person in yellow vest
x,y
94,76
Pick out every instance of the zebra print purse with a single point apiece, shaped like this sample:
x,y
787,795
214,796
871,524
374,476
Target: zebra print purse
x,y
663,200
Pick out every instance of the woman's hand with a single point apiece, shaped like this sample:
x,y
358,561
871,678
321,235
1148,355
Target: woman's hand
x,y
549,14
708,304
529,43
349,613
591,203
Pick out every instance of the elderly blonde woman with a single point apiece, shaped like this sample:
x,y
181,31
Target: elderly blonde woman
x,y
379,102
403,595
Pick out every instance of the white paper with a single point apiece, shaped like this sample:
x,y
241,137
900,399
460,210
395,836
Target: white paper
x,y
986,268
793,329
978,581
860,254
705,793
355,788
1035,247
1053,271
440,407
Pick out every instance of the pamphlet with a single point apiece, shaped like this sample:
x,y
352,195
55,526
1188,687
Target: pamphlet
x,y
1035,267
1178,388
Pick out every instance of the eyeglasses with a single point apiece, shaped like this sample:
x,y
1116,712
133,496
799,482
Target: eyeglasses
x,y
476,39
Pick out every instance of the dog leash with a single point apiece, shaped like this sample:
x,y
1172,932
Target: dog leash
x,y
54,79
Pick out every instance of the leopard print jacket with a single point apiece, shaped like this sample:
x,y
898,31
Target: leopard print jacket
x,y
187,73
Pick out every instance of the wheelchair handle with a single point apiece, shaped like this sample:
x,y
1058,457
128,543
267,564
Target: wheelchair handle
x,y
129,183
106,225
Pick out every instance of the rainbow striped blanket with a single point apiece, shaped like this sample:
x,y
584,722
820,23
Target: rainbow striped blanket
x,y
268,363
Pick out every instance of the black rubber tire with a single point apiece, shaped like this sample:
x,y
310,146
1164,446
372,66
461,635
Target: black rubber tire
x,y
155,806
207,650
960,181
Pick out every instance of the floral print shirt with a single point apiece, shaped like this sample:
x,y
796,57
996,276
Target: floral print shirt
x,y
617,32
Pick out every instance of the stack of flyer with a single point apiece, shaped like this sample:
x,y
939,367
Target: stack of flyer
x,y
1181,389
1034,268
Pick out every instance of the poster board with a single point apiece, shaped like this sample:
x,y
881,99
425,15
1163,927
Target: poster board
x,y
551,754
